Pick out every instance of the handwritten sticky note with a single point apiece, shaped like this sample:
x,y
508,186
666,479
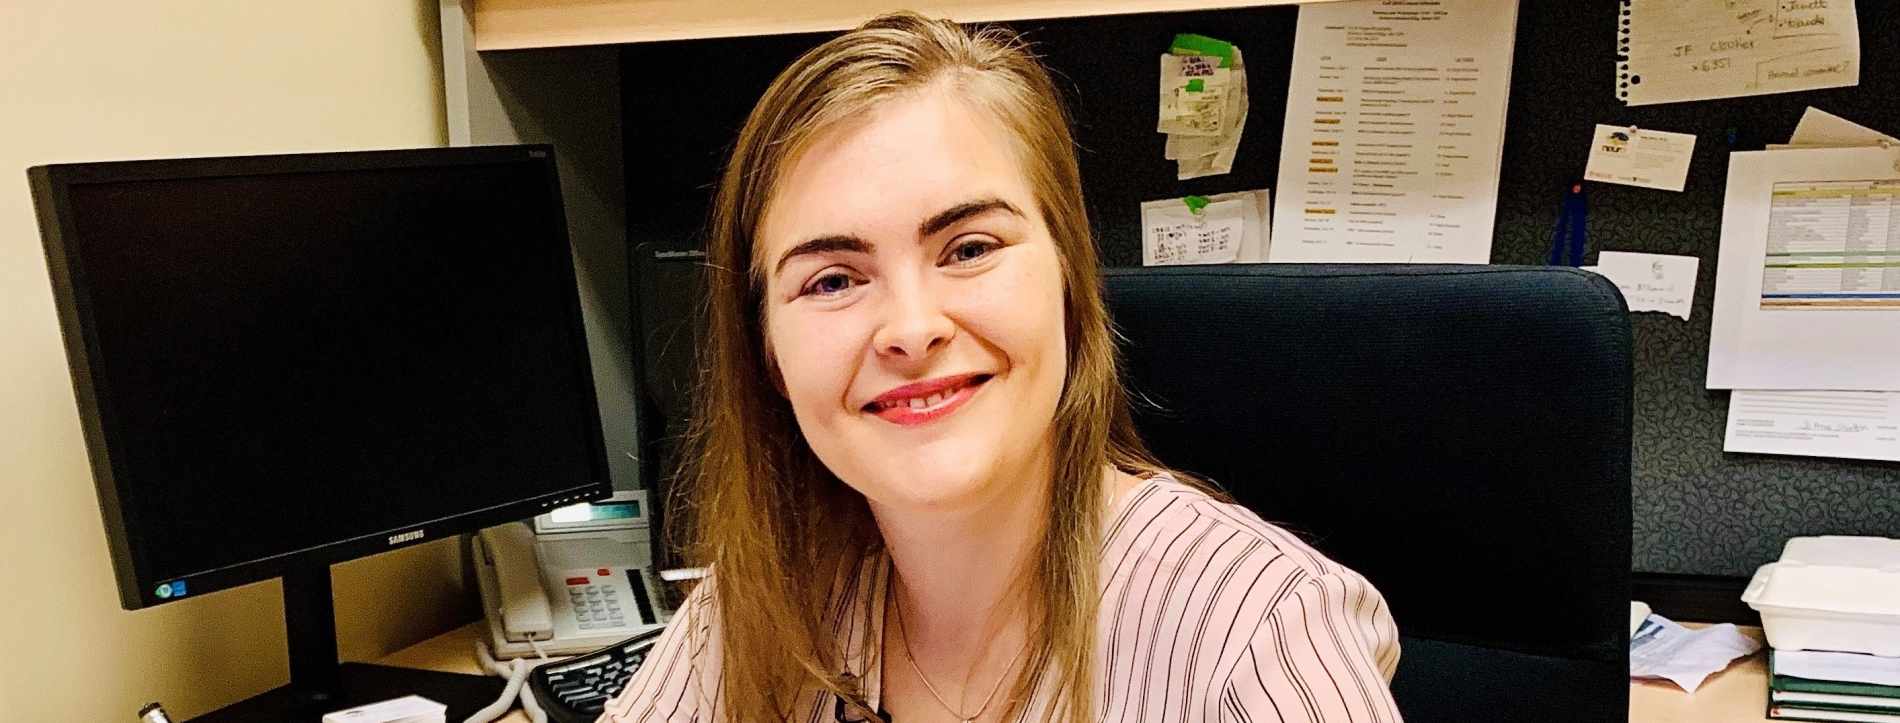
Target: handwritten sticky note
x,y
1679,50
1651,282
1640,157
1175,234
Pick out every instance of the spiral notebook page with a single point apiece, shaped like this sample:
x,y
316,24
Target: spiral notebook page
x,y
1678,50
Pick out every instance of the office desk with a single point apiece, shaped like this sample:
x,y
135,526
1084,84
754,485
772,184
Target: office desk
x,y
1736,695
450,652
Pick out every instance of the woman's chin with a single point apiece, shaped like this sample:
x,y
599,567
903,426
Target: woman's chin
x,y
940,485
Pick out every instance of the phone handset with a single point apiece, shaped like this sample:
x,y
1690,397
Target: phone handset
x,y
525,613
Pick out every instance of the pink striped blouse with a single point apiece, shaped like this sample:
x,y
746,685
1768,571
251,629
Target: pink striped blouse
x,y
1208,613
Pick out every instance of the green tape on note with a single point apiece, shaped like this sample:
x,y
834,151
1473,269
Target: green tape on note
x,y
1191,44
1195,203
1196,85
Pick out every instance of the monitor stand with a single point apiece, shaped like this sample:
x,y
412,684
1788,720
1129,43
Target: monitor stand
x,y
320,685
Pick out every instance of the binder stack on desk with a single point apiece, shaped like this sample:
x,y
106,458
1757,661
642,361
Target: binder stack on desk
x,y
1833,687
1831,610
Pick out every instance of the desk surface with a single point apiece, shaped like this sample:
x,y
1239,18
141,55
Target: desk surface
x,y
450,652
1736,695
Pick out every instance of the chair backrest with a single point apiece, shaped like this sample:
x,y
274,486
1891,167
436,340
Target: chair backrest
x,y
1458,434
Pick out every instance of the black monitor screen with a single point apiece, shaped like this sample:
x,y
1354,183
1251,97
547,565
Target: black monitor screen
x,y
285,361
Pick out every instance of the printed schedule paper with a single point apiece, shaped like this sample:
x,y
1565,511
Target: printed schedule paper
x,y
1678,50
1394,130
1807,289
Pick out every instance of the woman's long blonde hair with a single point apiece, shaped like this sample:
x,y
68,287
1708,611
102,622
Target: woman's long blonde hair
x,y
778,529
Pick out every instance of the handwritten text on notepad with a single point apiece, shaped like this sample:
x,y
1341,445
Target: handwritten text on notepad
x,y
1682,50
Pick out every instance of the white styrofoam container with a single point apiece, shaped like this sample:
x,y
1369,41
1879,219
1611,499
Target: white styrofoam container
x,y
1831,593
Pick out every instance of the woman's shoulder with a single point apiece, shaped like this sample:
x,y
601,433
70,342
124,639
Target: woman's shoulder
x,y
1173,522
1228,592
679,678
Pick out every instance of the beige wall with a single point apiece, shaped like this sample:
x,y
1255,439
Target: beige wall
x,y
84,80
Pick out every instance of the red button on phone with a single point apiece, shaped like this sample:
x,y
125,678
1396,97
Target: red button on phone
x,y
603,572
577,581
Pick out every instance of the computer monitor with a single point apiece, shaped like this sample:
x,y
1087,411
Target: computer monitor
x,y
284,362
668,308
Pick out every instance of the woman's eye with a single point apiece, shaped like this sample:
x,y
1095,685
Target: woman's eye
x,y
829,284
967,251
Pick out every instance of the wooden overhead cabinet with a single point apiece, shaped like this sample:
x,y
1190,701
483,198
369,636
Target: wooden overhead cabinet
x,y
515,24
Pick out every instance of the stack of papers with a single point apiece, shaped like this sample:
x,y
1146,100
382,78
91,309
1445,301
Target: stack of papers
x,y
1845,667
1662,649
408,709
1807,301
1203,105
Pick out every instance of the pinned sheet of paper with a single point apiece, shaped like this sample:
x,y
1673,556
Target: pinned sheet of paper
x,y
1193,95
1220,229
1850,425
1807,287
1641,157
1394,132
1678,50
1651,282
1821,129
1203,105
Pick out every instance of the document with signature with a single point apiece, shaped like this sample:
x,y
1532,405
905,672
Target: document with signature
x,y
1677,50
1852,425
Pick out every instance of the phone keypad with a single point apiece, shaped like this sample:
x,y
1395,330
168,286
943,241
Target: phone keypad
x,y
596,606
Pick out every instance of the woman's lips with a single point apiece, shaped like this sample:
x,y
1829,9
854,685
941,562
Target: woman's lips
x,y
926,401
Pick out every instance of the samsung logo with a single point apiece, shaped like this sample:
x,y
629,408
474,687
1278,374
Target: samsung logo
x,y
405,537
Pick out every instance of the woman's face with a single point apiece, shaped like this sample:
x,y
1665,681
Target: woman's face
x,y
914,306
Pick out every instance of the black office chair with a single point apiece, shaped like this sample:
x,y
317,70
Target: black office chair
x,y
1458,434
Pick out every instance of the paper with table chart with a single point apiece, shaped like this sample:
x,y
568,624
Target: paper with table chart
x,y
1852,425
1679,50
1847,424
1807,291
1394,130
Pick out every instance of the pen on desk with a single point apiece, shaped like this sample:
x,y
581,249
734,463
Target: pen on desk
x,y
153,713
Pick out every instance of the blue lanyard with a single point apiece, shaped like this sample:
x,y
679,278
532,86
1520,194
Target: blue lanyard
x,y
1568,238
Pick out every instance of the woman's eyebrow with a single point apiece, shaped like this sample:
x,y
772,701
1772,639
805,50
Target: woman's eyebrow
x,y
823,244
950,216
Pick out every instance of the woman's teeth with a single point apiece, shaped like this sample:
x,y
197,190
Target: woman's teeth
x,y
922,402
919,402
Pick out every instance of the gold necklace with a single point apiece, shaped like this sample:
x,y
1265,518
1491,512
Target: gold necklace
x,y
912,659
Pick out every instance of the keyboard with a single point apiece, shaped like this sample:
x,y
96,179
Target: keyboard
x,y
576,690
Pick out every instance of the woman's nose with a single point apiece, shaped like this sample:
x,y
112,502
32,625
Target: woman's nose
x,y
914,324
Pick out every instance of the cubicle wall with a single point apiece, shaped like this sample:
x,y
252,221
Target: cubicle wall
x,y
1698,510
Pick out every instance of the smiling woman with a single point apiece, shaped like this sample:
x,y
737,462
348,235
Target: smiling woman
x,y
915,478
